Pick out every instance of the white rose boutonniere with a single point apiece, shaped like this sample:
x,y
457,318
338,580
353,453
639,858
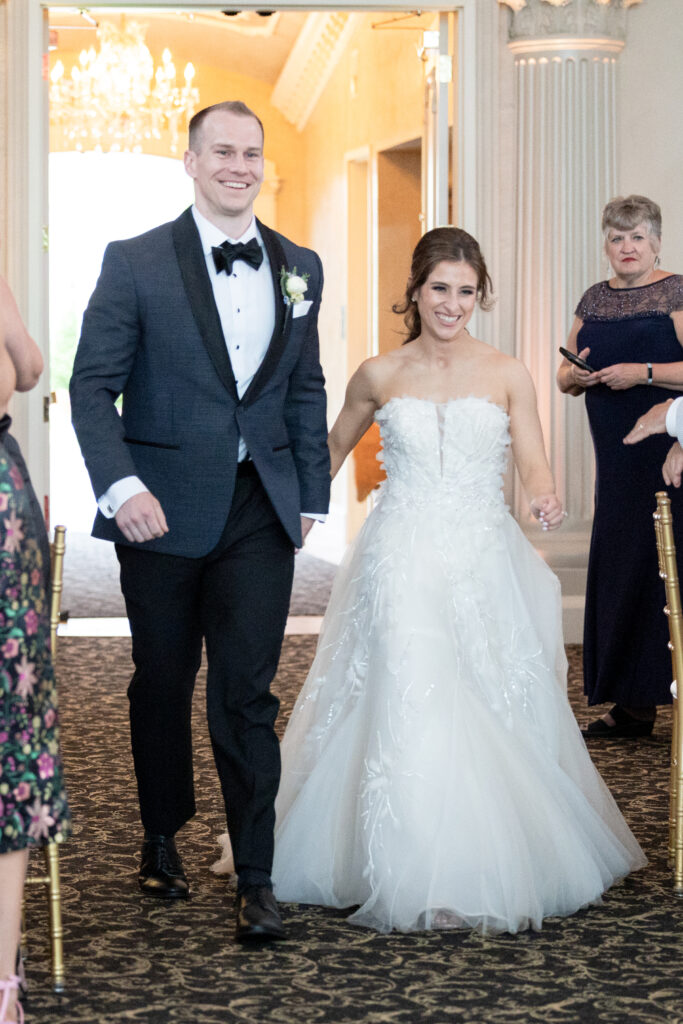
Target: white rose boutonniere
x,y
293,286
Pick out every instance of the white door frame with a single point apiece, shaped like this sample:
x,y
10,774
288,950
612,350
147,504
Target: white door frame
x,y
28,148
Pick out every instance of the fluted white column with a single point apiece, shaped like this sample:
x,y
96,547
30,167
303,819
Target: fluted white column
x,y
566,55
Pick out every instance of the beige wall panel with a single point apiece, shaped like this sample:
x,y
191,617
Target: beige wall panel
x,y
650,141
398,232
374,98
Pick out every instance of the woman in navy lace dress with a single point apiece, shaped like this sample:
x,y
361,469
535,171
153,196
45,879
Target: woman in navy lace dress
x,y
33,807
630,331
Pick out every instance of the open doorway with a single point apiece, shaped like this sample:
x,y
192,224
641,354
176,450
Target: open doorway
x,y
392,214
325,84
81,225
399,227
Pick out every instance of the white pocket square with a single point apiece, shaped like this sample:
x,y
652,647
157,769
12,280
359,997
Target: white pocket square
x,y
301,308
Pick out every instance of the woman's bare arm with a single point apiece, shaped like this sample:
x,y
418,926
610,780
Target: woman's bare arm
x,y
21,348
528,447
356,415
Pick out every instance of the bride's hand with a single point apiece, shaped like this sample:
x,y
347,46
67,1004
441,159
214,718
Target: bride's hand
x,y
548,510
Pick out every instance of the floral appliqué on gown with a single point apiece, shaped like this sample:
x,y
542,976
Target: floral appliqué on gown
x,y
433,772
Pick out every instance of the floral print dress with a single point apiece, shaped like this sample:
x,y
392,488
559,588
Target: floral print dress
x,y
33,803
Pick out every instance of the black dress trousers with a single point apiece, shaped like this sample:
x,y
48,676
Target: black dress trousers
x,y
236,598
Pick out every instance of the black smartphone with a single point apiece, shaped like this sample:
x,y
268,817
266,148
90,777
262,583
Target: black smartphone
x,y
576,360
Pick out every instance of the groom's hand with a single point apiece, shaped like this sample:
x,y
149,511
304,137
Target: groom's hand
x,y
306,525
141,518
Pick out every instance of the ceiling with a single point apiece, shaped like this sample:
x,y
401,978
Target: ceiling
x,y
253,45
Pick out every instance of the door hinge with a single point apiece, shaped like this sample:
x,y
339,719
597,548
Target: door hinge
x,y
48,400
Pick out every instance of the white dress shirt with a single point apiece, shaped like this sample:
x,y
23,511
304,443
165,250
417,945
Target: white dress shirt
x,y
674,419
247,334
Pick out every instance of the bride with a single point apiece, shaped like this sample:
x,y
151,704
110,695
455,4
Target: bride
x,y
433,773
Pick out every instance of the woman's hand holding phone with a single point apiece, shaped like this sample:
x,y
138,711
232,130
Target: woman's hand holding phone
x,y
577,360
582,373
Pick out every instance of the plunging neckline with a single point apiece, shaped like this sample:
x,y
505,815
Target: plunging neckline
x,y
441,409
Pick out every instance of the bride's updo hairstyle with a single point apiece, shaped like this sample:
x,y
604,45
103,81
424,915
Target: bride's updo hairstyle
x,y
436,246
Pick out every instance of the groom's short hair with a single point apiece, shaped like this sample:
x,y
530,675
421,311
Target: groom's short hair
x,y
230,107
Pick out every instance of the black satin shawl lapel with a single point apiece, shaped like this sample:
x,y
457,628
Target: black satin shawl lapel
x,y
283,315
200,296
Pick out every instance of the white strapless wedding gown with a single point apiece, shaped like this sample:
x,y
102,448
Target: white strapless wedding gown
x,y
433,772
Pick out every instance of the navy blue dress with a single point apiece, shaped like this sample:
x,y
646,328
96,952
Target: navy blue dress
x,y
625,654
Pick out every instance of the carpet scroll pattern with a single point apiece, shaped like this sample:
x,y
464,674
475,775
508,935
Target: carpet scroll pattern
x,y
133,960
91,580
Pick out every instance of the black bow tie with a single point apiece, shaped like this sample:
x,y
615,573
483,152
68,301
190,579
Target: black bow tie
x,y
225,255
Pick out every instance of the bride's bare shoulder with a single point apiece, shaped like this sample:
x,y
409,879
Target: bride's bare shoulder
x,y
508,367
516,380
377,370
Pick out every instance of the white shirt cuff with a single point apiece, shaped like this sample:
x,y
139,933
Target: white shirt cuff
x,y
673,414
120,491
111,501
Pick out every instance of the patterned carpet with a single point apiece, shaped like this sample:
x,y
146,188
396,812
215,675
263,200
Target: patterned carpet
x,y
91,580
132,960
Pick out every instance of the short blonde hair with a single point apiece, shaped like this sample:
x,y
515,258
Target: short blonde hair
x,y
228,107
624,213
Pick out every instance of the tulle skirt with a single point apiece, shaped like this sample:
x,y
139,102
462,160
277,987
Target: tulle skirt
x,y
434,775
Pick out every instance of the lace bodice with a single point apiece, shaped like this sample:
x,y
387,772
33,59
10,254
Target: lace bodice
x,y
444,452
658,299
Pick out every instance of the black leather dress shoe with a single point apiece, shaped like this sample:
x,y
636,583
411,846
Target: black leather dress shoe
x,y
258,917
161,869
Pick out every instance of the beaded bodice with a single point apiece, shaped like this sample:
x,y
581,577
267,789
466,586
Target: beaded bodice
x,y
601,302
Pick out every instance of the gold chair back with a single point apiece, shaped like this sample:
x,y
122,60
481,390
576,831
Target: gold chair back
x,y
51,851
668,570
57,549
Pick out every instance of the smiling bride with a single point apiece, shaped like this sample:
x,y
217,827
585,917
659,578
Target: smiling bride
x,y
433,772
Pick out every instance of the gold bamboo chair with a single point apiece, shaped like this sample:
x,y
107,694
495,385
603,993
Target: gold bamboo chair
x,y
51,851
668,570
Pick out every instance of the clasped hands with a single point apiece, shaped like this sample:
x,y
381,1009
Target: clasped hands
x,y
626,375
654,422
619,377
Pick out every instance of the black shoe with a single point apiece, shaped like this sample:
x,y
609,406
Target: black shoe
x,y
258,918
625,726
161,869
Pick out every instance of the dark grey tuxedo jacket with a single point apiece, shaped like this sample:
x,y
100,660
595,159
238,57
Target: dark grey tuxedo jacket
x,y
152,333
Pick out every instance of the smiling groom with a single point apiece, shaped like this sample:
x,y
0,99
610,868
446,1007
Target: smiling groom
x,y
207,482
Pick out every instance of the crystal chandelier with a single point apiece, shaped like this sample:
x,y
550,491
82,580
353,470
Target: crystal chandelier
x,y
114,99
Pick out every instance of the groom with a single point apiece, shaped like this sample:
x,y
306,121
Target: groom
x,y
207,482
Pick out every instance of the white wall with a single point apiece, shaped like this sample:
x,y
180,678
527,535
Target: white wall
x,y
651,115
